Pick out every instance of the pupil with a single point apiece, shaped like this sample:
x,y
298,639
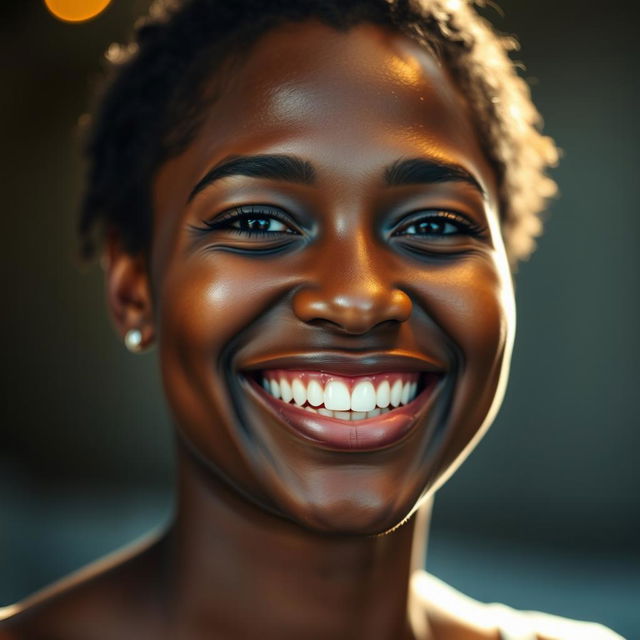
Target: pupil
x,y
430,227
258,224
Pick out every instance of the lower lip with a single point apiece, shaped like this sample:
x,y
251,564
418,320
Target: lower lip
x,y
371,434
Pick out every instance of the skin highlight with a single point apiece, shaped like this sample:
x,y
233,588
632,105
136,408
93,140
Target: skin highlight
x,y
276,536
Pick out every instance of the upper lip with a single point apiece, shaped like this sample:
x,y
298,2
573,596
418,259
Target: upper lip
x,y
360,364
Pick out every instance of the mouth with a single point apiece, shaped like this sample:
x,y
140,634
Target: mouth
x,y
346,412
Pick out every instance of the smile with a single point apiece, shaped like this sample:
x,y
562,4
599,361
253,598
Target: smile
x,y
347,409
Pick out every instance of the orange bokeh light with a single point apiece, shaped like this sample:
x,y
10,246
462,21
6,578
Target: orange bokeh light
x,y
76,10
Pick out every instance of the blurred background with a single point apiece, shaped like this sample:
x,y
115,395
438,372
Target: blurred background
x,y
544,515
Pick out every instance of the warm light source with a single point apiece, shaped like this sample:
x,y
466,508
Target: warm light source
x,y
76,10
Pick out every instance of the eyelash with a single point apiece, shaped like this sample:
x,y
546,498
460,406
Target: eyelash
x,y
261,212
245,213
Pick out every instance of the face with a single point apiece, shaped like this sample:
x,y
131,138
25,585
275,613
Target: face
x,y
332,302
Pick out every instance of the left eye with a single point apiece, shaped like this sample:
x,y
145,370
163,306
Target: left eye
x,y
431,228
438,224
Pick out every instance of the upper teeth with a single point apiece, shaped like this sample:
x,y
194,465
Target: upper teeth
x,y
337,393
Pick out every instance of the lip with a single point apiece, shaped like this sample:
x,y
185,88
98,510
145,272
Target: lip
x,y
359,364
371,434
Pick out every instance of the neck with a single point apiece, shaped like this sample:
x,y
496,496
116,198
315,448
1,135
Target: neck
x,y
236,568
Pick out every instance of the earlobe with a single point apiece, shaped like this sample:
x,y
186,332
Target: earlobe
x,y
129,295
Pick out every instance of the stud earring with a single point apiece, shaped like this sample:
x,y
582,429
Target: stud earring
x,y
133,340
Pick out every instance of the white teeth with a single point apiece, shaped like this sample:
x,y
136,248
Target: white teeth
x,y
363,397
299,392
315,393
383,394
406,390
285,390
336,396
396,393
335,400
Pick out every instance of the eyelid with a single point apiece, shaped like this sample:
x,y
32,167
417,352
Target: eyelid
x,y
246,211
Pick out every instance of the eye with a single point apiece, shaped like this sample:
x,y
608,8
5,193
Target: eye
x,y
258,223
250,221
438,224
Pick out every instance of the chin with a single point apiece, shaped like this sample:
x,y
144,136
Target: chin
x,y
361,513
345,519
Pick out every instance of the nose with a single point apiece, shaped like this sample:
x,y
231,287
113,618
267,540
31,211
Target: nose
x,y
352,292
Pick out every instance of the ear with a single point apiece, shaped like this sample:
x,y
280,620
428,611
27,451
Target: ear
x,y
128,291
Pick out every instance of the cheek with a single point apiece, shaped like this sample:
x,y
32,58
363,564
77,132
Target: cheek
x,y
473,304
211,299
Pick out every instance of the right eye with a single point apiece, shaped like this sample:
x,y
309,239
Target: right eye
x,y
251,221
263,224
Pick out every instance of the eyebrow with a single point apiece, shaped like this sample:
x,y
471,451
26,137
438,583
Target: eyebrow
x,y
274,167
428,171
293,169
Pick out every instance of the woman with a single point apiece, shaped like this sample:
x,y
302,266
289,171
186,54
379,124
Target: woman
x,y
313,209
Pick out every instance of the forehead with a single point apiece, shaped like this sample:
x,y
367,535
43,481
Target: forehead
x,y
365,87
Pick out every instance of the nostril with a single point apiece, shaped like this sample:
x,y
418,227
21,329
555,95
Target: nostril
x,y
354,314
354,328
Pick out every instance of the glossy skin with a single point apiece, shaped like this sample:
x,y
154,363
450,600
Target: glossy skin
x,y
346,276
346,284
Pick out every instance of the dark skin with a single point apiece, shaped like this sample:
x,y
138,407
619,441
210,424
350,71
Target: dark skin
x,y
277,535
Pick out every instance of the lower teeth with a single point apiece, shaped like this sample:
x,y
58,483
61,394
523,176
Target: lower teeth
x,y
347,415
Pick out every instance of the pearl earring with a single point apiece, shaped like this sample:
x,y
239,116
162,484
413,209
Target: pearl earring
x,y
133,340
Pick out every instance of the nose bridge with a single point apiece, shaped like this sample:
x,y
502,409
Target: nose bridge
x,y
351,286
361,279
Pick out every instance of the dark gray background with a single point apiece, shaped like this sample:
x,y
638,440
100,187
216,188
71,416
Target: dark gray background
x,y
544,515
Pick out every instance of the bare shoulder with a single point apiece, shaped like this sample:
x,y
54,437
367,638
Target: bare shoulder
x,y
95,603
451,615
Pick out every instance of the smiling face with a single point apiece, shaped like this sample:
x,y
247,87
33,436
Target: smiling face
x,y
331,239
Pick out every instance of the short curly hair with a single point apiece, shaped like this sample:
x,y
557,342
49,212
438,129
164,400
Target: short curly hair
x,y
152,102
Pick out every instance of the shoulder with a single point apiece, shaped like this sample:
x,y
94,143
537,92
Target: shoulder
x,y
454,613
94,603
544,626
